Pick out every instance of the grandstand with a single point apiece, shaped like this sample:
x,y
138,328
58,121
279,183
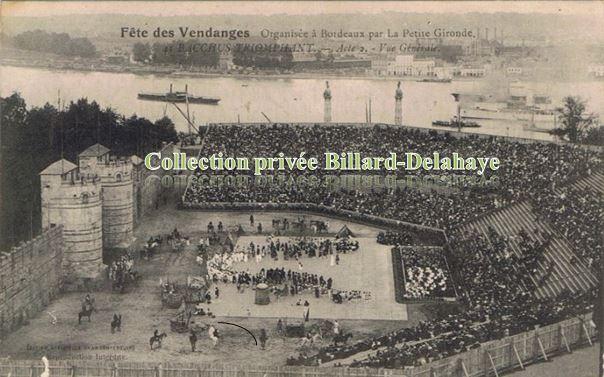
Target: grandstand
x,y
594,182
510,264
508,222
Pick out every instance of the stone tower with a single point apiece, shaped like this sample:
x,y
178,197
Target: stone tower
x,y
117,193
73,199
398,105
327,105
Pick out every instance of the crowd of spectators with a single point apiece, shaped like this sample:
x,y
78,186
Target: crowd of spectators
x,y
578,214
284,282
495,276
121,271
395,238
499,303
524,169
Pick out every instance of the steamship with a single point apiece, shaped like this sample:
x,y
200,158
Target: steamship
x,y
513,108
178,97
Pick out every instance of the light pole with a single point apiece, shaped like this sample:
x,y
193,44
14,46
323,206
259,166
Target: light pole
x,y
456,96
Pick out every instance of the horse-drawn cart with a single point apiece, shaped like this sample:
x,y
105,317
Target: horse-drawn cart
x,y
193,292
182,323
178,326
171,300
295,330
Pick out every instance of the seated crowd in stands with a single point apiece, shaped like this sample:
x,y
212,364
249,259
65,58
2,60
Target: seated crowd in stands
x,y
495,277
579,215
499,302
394,238
524,169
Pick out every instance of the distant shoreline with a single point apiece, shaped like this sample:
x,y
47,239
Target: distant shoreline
x,y
161,71
151,71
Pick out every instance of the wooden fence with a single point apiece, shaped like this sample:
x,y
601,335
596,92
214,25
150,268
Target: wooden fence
x,y
490,359
495,357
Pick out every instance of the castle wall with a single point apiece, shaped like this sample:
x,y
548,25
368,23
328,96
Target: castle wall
x,y
117,198
77,206
117,213
30,276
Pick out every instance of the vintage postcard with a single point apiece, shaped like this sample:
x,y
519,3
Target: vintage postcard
x,y
291,189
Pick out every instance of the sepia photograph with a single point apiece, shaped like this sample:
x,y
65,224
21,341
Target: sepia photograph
x,y
301,188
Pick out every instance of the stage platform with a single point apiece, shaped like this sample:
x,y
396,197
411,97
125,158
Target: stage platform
x,y
367,269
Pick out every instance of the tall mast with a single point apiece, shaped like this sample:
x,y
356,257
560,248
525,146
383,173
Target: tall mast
x,y
187,103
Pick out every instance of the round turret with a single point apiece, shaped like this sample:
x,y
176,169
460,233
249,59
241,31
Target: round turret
x,y
117,193
73,200
117,185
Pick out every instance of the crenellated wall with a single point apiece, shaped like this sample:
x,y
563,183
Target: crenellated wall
x,y
30,276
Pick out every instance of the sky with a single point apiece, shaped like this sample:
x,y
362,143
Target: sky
x,y
169,8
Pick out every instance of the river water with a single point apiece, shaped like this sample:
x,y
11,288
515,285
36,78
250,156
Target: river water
x,y
280,99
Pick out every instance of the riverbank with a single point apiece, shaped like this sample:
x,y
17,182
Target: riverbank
x,y
166,71
32,59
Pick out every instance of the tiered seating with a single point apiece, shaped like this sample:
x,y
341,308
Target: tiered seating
x,y
594,181
577,212
563,274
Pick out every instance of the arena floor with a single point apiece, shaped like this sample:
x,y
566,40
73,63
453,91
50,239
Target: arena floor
x,y
369,268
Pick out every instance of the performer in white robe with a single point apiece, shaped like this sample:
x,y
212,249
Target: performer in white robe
x,y
213,334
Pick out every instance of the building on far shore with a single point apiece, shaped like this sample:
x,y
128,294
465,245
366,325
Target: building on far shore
x,y
596,70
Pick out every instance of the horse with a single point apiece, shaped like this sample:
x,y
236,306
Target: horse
x,y
119,283
311,339
116,323
86,311
214,335
157,339
135,277
341,338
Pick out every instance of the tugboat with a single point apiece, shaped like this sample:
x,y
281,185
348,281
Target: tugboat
x,y
453,123
178,97
437,80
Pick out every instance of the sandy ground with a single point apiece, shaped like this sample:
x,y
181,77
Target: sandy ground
x,y
368,269
581,363
143,313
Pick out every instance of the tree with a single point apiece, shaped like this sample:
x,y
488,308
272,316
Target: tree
x,y
31,140
573,119
594,135
13,115
56,43
141,52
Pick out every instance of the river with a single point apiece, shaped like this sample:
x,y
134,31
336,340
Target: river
x,y
280,99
